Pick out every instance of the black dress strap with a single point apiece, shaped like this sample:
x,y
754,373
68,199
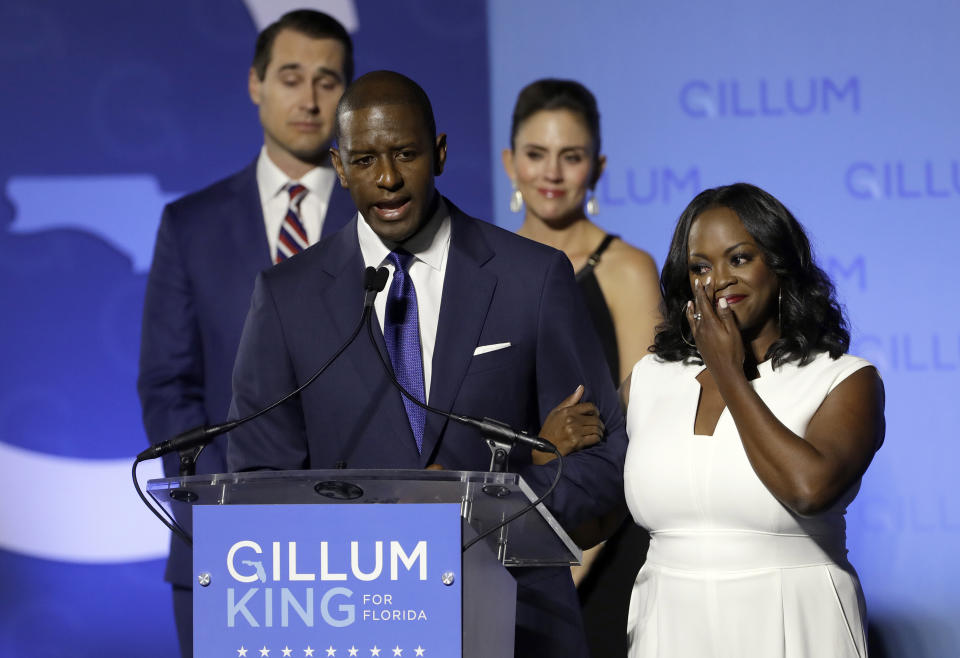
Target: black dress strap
x,y
598,310
594,258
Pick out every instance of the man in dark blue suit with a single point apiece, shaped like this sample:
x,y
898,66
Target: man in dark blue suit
x,y
498,330
211,245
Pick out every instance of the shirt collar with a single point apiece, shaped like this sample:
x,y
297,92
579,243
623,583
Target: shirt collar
x,y
271,179
430,244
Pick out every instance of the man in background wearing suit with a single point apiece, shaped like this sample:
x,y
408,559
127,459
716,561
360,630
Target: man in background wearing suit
x,y
475,320
211,244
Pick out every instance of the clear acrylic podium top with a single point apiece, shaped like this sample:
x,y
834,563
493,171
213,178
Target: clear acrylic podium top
x,y
535,539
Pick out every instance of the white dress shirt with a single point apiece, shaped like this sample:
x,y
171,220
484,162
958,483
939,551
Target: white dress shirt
x,y
430,247
274,200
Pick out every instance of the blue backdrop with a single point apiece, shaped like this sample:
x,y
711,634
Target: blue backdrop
x,y
845,111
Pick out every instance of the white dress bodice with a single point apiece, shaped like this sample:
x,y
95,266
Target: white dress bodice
x,y
725,554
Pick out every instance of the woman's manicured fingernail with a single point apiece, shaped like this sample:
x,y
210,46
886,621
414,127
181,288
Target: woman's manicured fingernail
x,y
707,282
723,302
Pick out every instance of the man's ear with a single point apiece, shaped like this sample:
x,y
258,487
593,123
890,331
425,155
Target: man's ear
x,y
439,154
253,86
338,165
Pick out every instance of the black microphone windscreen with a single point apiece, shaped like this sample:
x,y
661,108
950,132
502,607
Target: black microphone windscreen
x,y
375,279
381,279
369,278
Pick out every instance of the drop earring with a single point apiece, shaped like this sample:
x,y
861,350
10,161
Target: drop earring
x,y
516,199
593,206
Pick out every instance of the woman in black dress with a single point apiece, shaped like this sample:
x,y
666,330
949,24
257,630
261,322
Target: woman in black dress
x,y
554,162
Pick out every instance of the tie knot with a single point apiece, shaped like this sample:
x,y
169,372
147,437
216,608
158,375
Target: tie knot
x,y
296,192
401,259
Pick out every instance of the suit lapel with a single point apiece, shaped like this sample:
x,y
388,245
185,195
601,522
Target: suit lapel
x,y
244,223
341,296
467,292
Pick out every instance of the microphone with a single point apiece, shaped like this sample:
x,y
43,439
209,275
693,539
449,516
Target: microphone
x,y
374,281
502,431
494,429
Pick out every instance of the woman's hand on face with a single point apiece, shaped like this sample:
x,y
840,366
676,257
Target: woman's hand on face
x,y
571,425
715,331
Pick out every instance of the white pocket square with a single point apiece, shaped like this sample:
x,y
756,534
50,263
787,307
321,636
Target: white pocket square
x,y
483,349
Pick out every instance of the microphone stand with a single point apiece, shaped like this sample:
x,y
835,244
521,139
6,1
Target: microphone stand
x,y
497,435
499,448
188,460
193,440
190,443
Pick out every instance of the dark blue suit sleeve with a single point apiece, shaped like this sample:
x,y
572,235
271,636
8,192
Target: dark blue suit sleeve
x,y
262,374
569,354
170,381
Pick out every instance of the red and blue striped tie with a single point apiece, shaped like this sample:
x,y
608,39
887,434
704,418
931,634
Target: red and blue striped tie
x,y
293,237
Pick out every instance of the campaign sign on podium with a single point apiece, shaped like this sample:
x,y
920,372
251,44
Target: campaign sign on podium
x,y
327,580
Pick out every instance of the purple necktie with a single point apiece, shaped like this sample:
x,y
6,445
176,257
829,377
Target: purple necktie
x,y
293,238
401,333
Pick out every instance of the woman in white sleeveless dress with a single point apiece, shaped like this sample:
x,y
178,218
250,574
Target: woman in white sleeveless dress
x,y
749,431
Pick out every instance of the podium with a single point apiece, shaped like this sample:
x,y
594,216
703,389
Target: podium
x,y
360,562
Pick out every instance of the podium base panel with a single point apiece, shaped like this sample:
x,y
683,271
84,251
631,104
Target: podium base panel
x,y
489,605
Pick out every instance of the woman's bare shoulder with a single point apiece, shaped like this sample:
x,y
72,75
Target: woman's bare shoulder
x,y
628,266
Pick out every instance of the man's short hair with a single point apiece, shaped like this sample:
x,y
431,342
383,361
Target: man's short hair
x,y
386,88
310,23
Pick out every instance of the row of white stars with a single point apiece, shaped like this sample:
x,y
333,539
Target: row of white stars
x,y
308,652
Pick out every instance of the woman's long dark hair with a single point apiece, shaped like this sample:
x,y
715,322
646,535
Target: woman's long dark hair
x,y
811,320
